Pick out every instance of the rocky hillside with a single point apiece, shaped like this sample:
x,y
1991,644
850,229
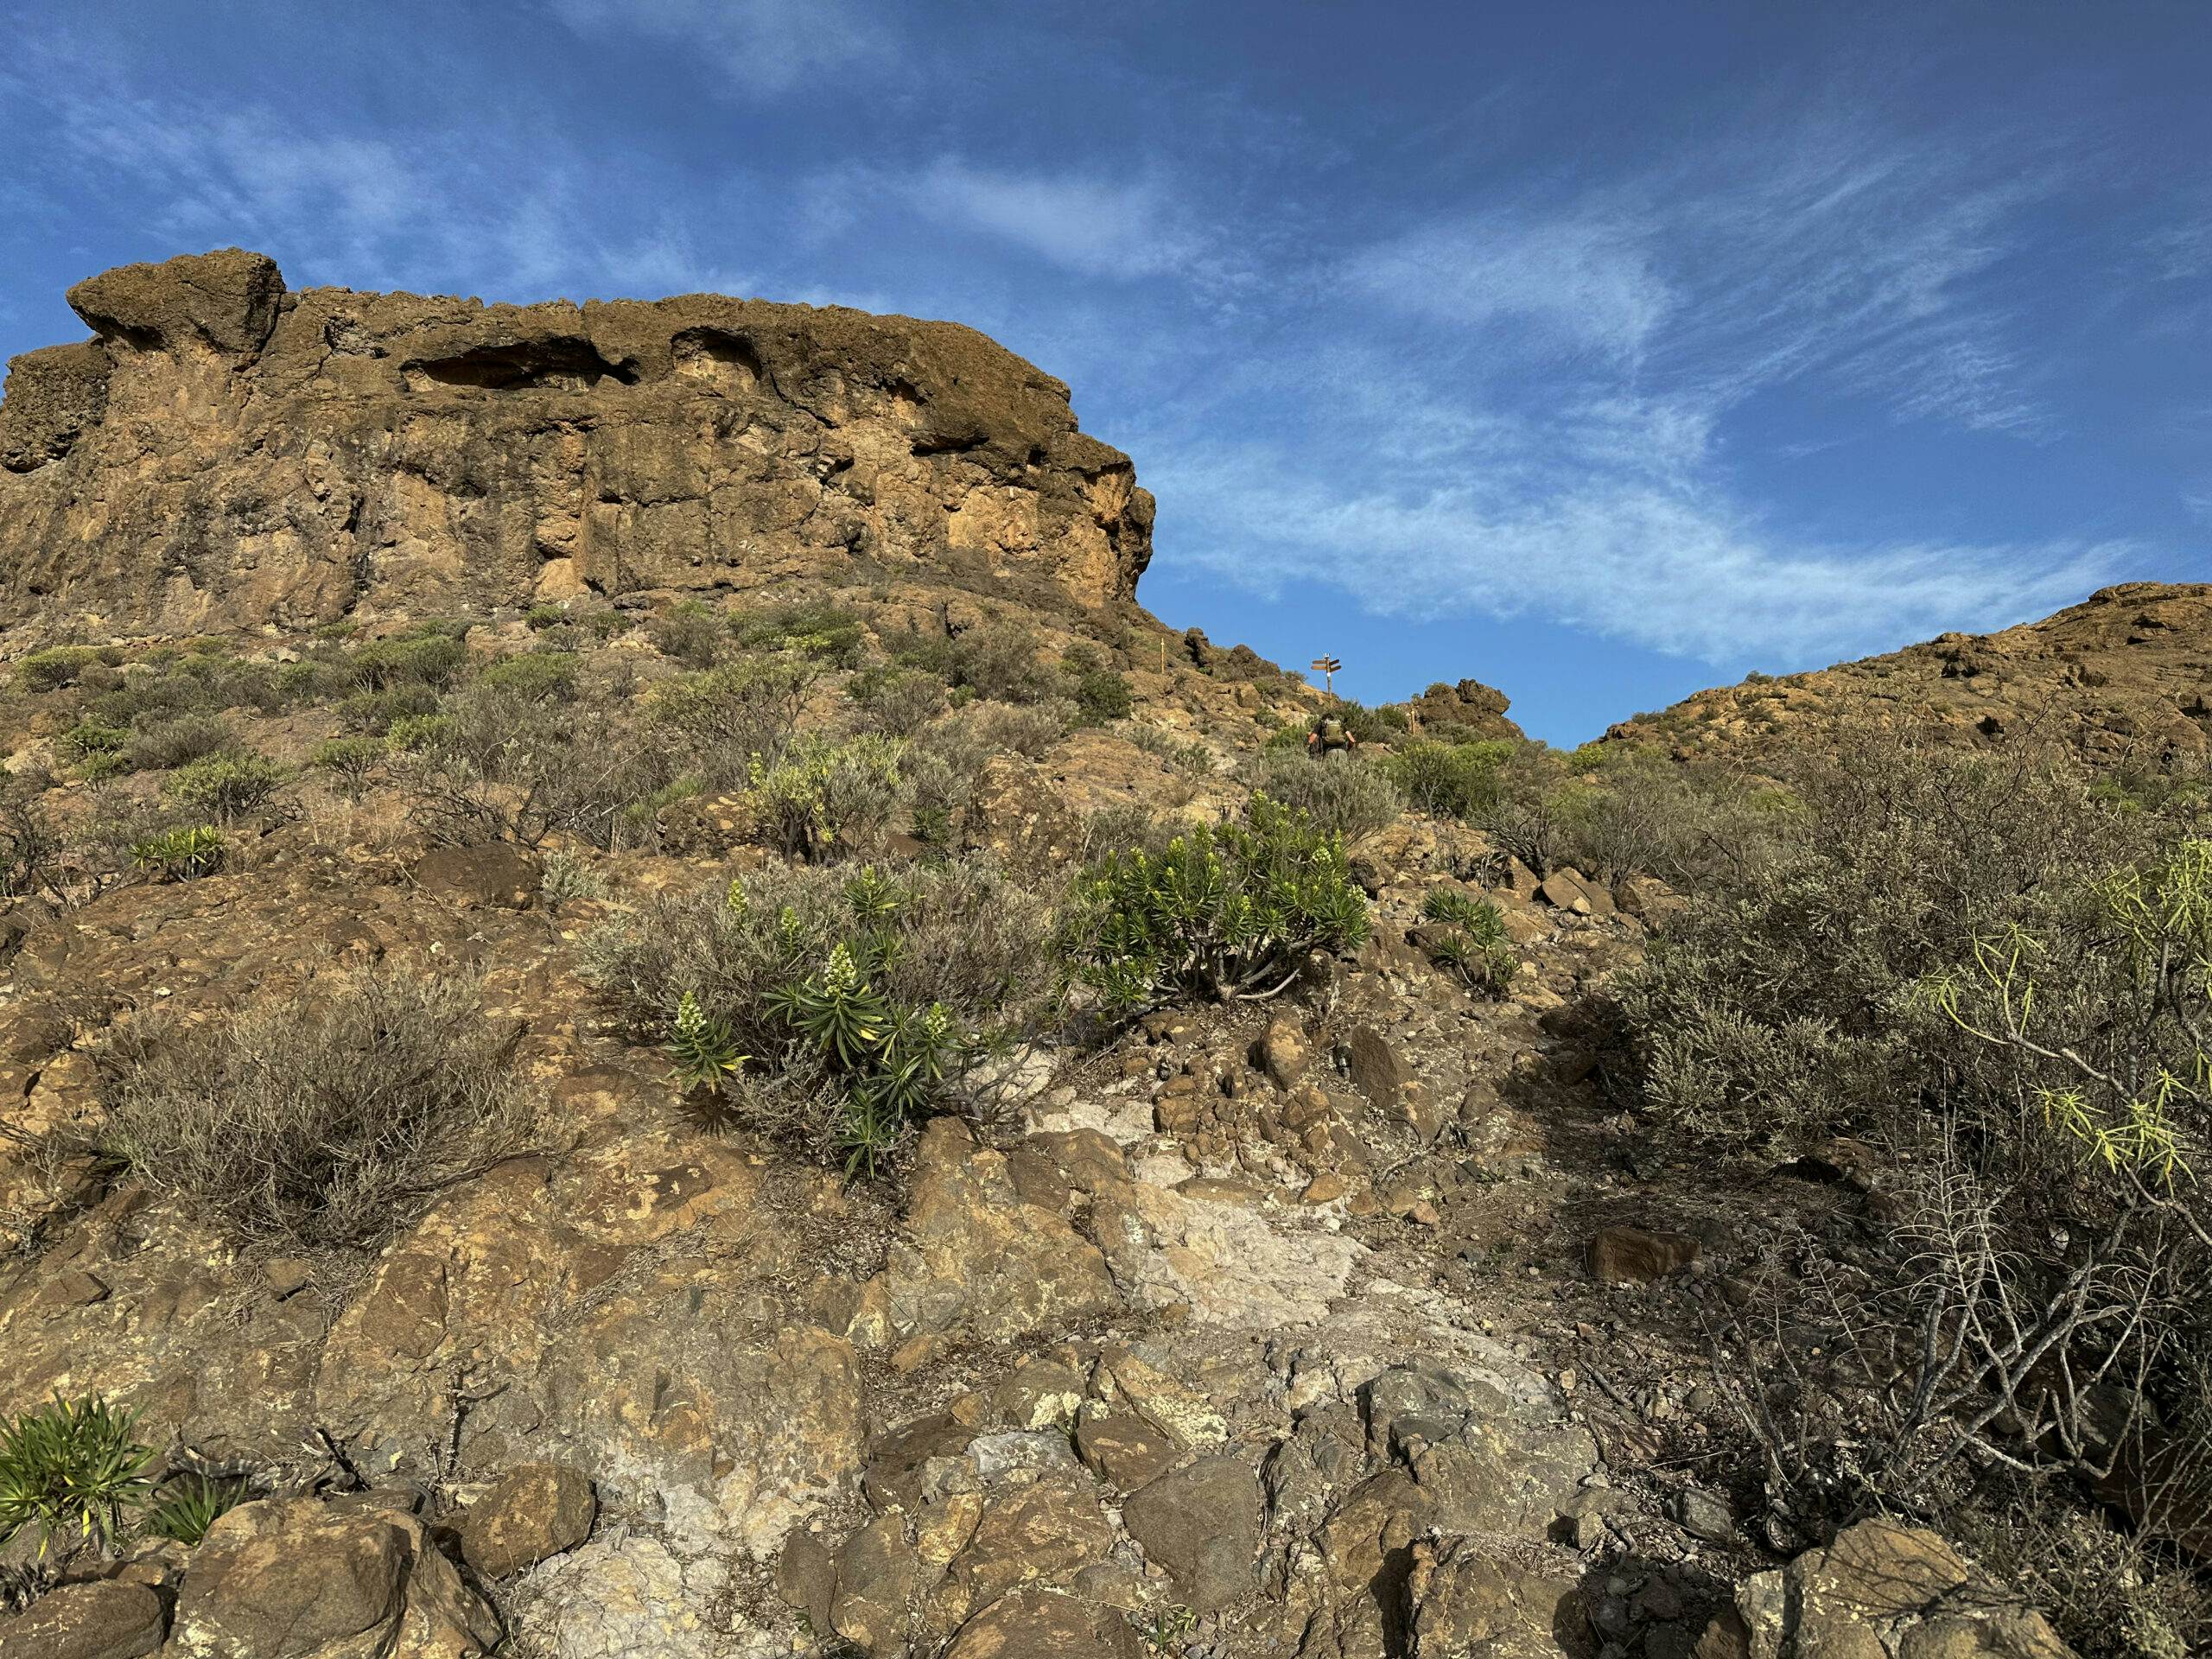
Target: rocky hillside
x,y
560,1094
226,453
2124,679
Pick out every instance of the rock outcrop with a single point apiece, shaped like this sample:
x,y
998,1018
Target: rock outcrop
x,y
226,454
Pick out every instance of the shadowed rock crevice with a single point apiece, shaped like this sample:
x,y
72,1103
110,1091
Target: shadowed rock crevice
x,y
555,364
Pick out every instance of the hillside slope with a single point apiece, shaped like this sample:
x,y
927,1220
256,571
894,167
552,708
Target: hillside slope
x,y
2124,679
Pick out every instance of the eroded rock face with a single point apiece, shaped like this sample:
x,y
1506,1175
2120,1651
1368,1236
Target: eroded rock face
x,y
226,453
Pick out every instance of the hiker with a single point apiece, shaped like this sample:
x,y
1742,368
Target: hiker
x,y
1330,739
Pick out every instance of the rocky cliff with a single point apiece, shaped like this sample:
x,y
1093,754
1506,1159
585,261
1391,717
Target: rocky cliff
x,y
226,453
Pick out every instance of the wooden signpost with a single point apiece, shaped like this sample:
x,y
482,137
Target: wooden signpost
x,y
1328,668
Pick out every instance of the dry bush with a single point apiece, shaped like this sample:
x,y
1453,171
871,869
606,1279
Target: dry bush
x,y
327,1118
1028,730
1352,797
502,765
2004,986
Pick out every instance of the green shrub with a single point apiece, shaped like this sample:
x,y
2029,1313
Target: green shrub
x,y
825,632
184,854
56,666
411,733
1351,796
1099,694
832,1007
1225,912
997,660
538,618
71,1469
327,1118
726,716
1449,780
896,702
434,660
689,633
1467,935
542,677
376,712
349,759
825,799
162,745
221,786
2004,986
90,737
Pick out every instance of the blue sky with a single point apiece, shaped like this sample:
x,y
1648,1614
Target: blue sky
x,y
1600,351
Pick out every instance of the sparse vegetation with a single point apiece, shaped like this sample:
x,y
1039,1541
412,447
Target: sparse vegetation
x,y
182,854
834,1006
1467,935
1351,796
325,1119
224,786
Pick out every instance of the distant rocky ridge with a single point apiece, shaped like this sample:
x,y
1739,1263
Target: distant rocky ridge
x,y
2124,679
226,453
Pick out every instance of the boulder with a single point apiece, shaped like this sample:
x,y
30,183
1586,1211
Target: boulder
x,y
1121,1449
104,1619
1044,1624
292,1579
1200,1525
1376,1069
530,1514
1880,1591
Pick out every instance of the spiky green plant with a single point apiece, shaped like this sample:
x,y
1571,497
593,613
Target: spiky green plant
x,y
72,1468
1471,942
185,1507
184,854
702,1046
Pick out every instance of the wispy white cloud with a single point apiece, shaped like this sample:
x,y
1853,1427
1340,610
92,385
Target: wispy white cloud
x,y
761,46
1577,281
1088,223
1662,569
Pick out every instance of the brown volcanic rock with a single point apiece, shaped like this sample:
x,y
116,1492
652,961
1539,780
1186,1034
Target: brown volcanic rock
x,y
226,454
2124,678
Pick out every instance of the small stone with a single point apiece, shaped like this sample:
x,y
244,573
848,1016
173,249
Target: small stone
x,y
1326,1188
1628,1255
288,1274
1374,1067
1705,1515
1122,1449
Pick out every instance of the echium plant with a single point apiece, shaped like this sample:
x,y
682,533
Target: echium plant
x,y
702,1046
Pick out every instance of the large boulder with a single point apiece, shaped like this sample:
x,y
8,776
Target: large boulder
x,y
104,1619
292,1579
1880,1591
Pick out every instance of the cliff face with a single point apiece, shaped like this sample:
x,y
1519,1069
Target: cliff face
x,y
226,453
